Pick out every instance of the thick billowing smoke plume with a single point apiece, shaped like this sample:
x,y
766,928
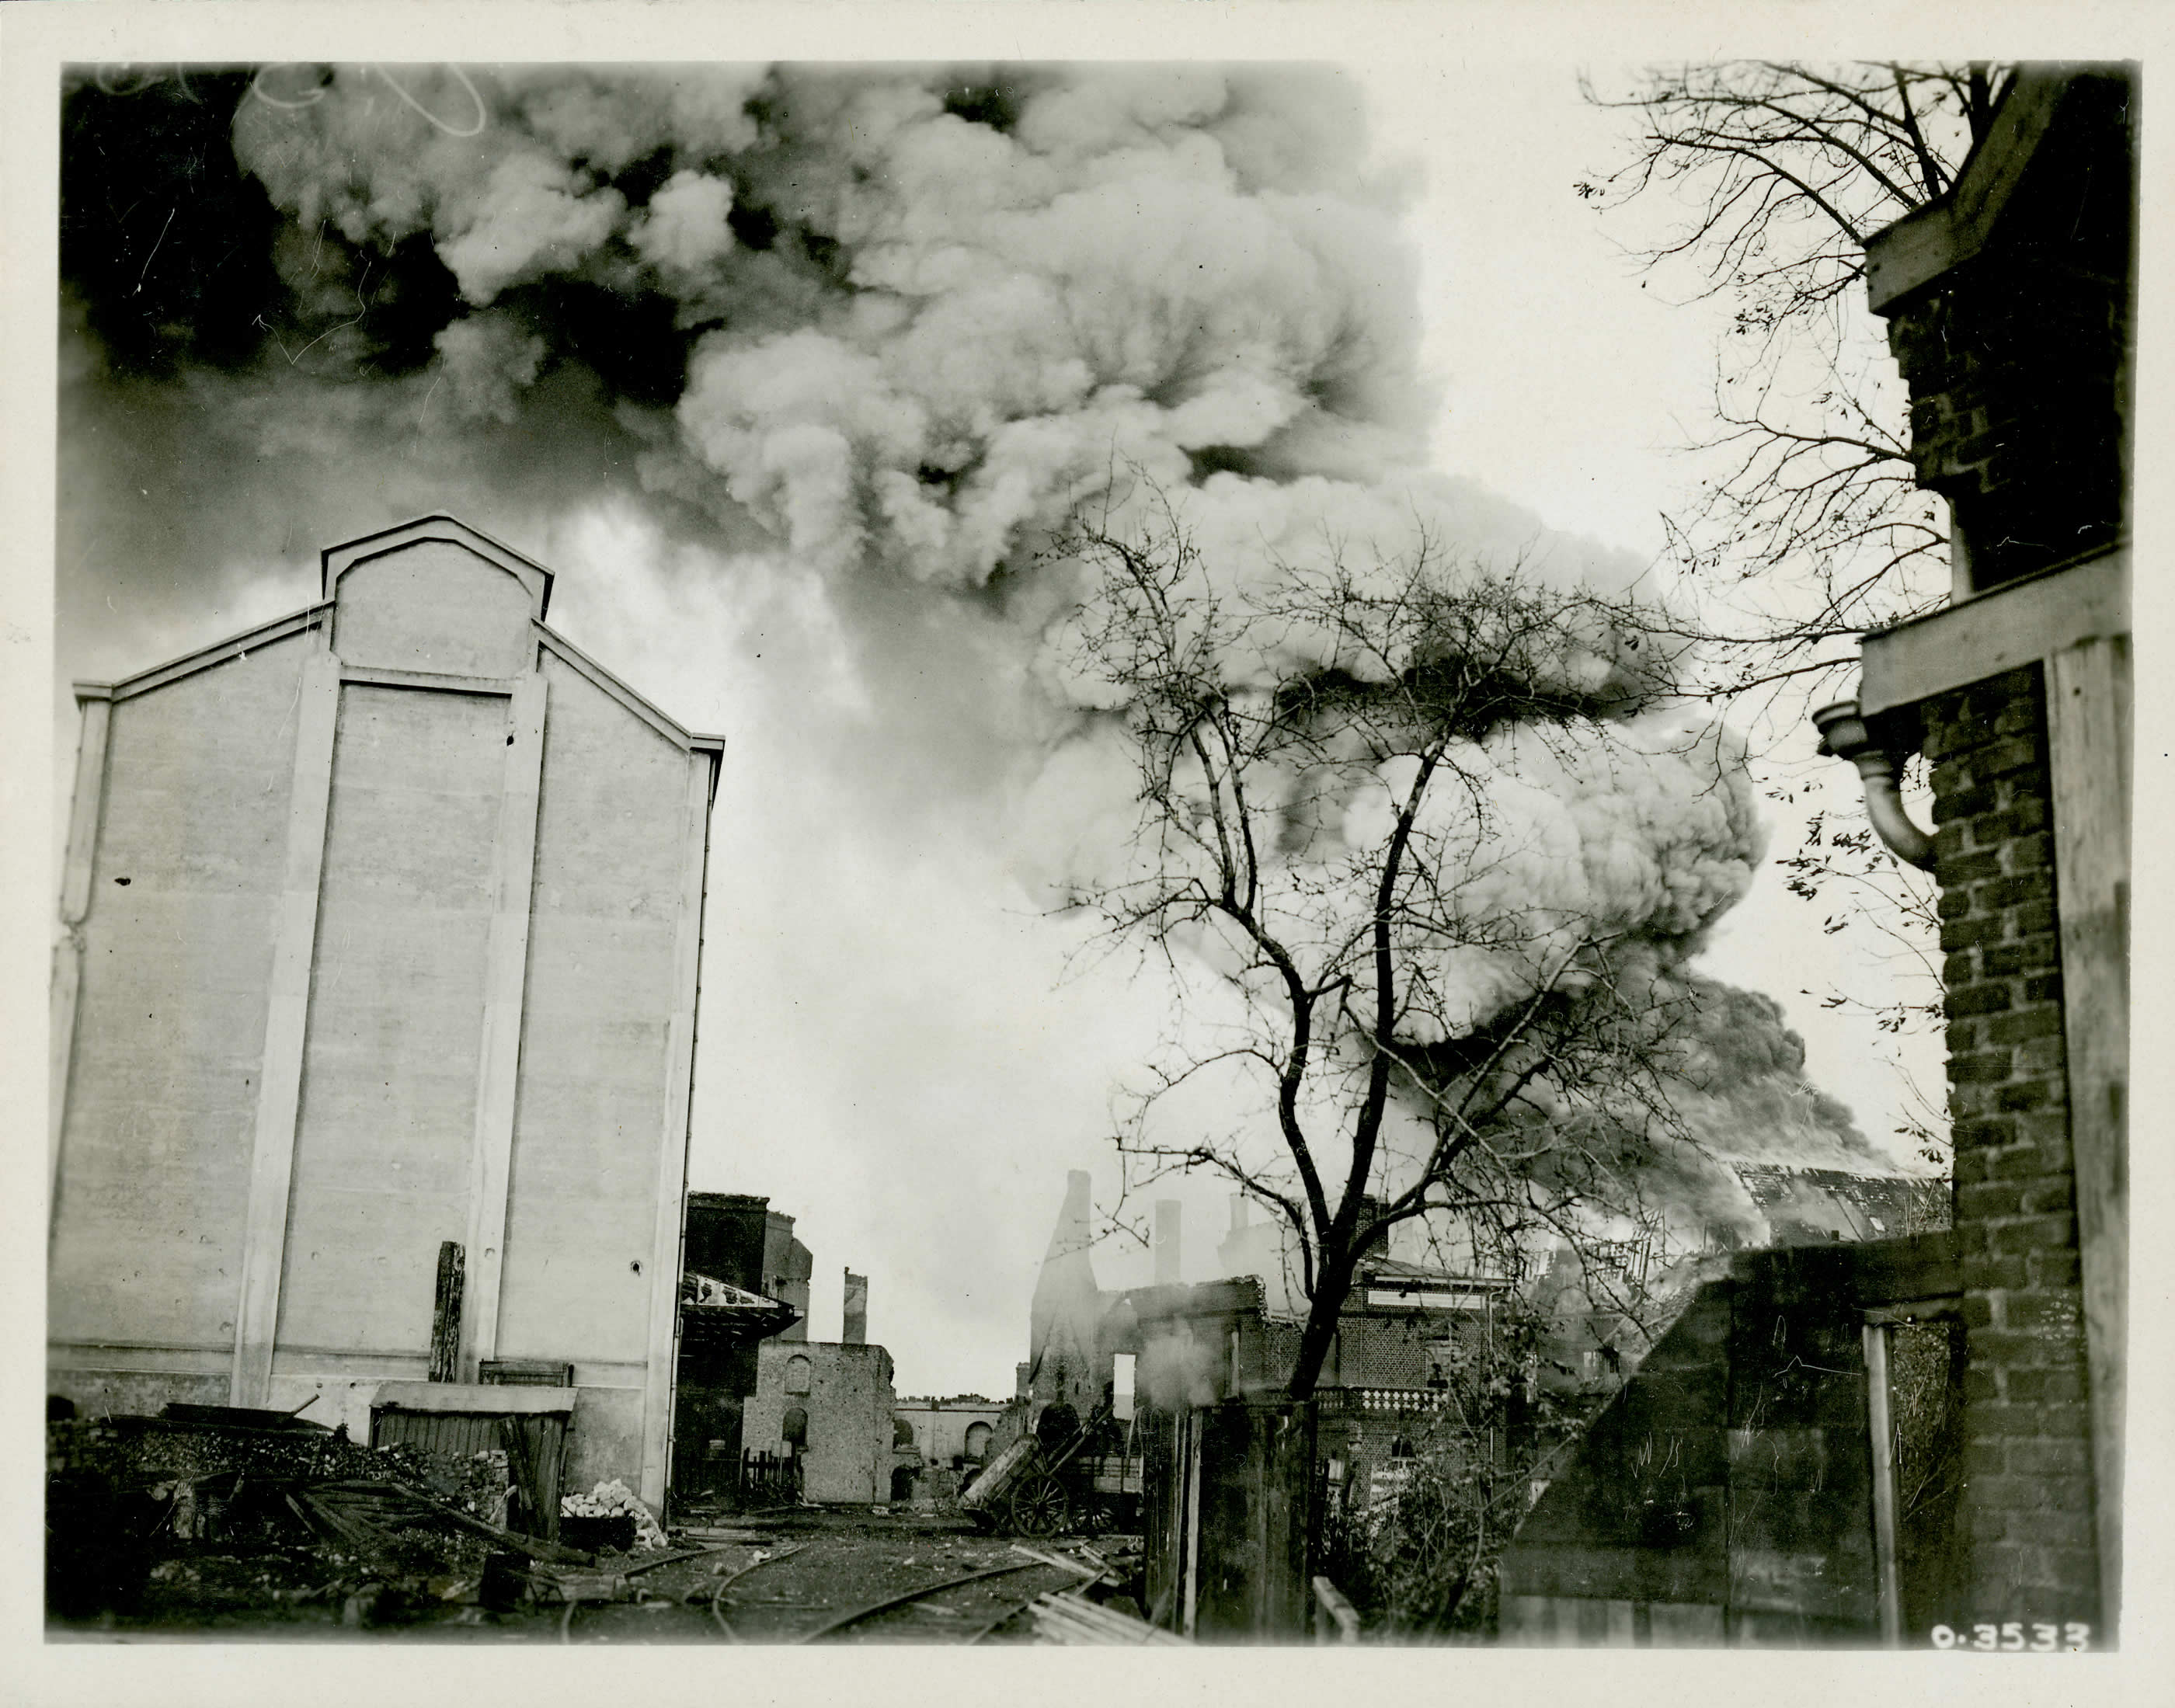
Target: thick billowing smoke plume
x,y
916,314
884,329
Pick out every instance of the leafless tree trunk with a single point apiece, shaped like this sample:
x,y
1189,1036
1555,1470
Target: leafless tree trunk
x,y
1392,1092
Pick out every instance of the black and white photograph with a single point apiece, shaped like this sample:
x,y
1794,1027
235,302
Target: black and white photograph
x,y
1263,838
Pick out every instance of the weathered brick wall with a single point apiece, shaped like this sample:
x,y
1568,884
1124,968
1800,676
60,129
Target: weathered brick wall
x,y
2028,1500
1725,1494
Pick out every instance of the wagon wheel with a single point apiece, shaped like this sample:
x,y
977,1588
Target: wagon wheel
x,y
1040,1508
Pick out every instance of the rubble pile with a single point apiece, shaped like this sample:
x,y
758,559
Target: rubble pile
x,y
183,1518
614,1499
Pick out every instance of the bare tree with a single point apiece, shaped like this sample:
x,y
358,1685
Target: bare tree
x,y
1809,528
1319,763
1843,872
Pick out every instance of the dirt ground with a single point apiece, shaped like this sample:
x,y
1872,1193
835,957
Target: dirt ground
x,y
778,1578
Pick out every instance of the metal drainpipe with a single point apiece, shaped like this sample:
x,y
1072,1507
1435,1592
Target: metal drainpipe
x,y
1844,735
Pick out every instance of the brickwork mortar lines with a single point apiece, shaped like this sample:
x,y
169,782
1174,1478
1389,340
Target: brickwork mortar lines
x,y
2025,1416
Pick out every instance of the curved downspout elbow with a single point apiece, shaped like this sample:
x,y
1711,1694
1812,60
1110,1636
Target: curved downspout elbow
x,y
1844,734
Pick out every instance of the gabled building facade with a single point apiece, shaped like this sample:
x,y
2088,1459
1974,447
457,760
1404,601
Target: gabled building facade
x,y
379,930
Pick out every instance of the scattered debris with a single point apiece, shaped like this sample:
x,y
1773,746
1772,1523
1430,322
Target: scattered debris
x,y
1091,1573
1071,1619
205,1511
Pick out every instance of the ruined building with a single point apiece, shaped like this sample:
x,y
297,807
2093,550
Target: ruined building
x,y
374,1016
734,1249
823,1408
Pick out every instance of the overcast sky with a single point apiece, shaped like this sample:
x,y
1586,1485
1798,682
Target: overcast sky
x,y
895,1045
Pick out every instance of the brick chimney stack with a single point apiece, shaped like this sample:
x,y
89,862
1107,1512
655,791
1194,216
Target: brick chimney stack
x,y
856,1329
1165,1242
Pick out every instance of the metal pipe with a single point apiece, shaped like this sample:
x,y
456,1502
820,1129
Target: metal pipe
x,y
1844,735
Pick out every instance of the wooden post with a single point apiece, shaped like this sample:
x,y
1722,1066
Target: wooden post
x,y
446,1313
84,815
2088,752
499,1061
1190,1449
1881,1429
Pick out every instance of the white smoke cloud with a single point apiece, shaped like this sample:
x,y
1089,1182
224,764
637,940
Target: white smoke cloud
x,y
1149,264
488,360
686,229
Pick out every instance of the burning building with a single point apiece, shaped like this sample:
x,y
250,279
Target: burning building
x,y
373,1013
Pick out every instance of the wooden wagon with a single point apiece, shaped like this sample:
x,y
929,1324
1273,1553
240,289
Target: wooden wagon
x,y
1049,1481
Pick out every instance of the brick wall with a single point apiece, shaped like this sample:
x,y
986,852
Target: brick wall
x,y
2028,1498
1725,1494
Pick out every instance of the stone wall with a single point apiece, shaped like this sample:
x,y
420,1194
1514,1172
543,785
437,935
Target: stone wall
x,y
849,1403
2028,1498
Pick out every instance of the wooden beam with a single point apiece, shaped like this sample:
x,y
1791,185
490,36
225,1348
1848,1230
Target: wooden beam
x,y
2002,630
85,814
2088,733
1929,241
506,983
672,1142
286,1025
446,1313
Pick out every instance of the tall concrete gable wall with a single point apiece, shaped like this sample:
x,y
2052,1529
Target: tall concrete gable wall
x,y
383,929
183,879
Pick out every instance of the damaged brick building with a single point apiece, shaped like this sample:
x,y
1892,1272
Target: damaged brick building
x,y
2009,307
